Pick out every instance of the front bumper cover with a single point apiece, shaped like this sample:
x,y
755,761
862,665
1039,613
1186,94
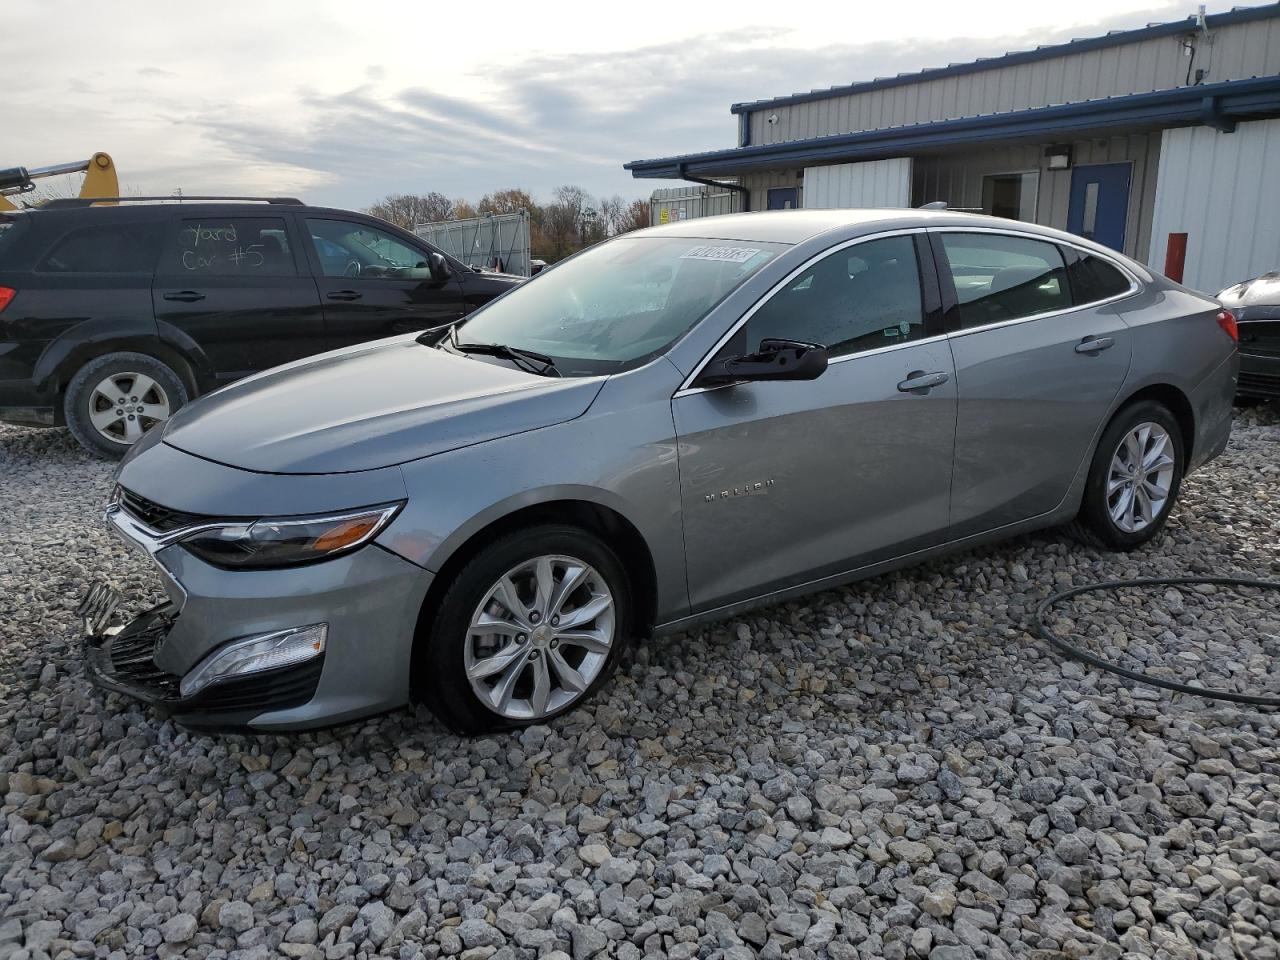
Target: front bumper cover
x,y
124,662
369,598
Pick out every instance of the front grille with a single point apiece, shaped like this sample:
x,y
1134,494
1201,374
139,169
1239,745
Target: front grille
x,y
1258,384
159,518
132,655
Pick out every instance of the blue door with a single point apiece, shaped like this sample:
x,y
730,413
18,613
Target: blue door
x,y
783,198
1100,202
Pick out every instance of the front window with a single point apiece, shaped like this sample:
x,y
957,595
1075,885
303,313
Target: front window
x,y
618,305
353,250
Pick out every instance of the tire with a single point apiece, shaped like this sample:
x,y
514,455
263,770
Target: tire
x,y
452,647
1096,523
107,428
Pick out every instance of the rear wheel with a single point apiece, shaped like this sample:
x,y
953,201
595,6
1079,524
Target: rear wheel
x,y
1134,478
112,400
530,628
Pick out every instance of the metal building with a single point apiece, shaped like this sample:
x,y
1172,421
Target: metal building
x,y
1162,142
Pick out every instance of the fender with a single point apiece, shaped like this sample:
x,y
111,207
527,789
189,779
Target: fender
x,y
79,344
435,558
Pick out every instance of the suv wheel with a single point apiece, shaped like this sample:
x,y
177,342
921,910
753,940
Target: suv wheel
x,y
113,399
1134,479
531,627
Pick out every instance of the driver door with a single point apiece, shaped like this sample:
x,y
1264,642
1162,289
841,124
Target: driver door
x,y
374,284
787,482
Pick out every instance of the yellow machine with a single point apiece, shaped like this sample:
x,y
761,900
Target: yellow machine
x,y
99,179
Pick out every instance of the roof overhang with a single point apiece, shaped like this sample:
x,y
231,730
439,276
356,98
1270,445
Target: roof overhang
x,y
1219,105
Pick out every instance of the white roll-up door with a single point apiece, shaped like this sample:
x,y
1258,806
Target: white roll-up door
x,y
875,183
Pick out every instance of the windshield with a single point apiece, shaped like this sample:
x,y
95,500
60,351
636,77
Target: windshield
x,y
617,305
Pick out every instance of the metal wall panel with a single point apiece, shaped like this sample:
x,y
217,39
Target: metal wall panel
x,y
957,179
1223,191
875,183
1237,51
759,183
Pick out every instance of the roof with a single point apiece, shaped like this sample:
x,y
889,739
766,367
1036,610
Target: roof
x,y
796,226
1215,104
1113,39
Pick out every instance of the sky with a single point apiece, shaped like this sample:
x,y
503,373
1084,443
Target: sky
x,y
342,103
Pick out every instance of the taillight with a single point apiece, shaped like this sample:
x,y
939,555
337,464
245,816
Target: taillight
x,y
6,294
1226,320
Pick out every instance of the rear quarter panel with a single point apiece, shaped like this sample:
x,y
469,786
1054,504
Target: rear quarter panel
x,y
1177,341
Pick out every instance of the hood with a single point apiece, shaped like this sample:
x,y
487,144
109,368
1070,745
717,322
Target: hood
x,y
371,406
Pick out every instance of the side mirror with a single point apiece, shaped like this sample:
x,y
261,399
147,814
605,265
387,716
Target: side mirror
x,y
439,266
776,360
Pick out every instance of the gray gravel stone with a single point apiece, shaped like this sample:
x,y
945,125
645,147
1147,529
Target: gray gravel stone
x,y
896,769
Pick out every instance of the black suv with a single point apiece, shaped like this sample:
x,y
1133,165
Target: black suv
x,y
112,317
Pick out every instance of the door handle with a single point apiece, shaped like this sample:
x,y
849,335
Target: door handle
x,y
344,295
919,380
185,296
1094,344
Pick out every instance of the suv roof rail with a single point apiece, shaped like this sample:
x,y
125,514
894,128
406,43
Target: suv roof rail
x,y
90,201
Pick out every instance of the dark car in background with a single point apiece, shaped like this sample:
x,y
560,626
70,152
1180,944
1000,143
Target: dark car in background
x,y
1256,306
113,316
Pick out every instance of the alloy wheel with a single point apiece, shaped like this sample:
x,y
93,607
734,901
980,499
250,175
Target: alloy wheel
x,y
124,405
540,637
1141,477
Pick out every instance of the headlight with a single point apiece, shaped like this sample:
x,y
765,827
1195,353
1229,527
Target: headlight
x,y
288,541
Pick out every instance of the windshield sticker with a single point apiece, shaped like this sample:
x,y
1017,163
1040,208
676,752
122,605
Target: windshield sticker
x,y
722,254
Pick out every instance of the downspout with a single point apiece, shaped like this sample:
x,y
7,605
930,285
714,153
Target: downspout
x,y
746,194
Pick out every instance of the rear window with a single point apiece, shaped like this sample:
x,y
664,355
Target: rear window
x,y
119,248
10,228
1093,279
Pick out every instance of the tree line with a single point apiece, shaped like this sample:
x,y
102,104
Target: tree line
x,y
570,221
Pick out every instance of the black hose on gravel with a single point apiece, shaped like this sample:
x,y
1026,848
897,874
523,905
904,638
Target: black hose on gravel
x,y
1073,651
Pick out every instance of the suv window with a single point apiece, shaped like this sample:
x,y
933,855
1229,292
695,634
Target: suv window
x,y
1000,277
347,249
858,298
1092,278
10,227
229,247
104,248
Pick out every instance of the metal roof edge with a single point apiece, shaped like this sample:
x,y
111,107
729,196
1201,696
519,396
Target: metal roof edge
x,y
1213,104
1084,45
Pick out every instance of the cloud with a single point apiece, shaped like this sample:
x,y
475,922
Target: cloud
x,y
527,119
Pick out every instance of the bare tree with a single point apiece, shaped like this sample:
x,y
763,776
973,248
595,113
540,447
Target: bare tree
x,y
511,200
408,210
635,217
611,213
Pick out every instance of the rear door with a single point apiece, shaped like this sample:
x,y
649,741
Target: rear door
x,y
236,286
1037,369
375,284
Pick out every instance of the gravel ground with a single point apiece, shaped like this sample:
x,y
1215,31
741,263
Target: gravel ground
x,y
897,769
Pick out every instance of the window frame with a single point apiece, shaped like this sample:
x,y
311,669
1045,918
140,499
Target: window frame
x,y
950,301
932,305
175,223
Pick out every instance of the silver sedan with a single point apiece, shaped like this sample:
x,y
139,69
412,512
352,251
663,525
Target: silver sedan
x,y
678,424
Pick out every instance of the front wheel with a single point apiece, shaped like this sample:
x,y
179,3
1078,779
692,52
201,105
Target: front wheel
x,y
531,627
1134,478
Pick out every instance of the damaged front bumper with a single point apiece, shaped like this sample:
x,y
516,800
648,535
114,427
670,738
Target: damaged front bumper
x,y
123,660
209,655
